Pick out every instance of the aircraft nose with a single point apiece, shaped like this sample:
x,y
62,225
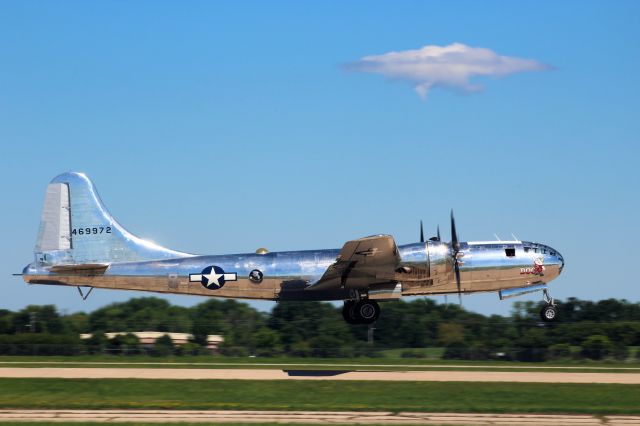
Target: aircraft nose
x,y
560,260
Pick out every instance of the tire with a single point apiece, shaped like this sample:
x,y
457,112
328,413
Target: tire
x,y
366,311
549,313
348,312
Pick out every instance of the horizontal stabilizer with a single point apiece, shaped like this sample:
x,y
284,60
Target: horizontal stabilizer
x,y
86,268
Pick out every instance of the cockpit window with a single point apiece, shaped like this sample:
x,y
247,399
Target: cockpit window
x,y
510,252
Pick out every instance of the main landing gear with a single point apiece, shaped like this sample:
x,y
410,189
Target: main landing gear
x,y
549,312
363,311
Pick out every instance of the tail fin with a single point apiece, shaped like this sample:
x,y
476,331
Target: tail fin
x,y
76,228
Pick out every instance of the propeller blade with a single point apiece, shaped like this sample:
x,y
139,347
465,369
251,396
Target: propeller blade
x,y
439,239
455,248
456,267
421,233
455,244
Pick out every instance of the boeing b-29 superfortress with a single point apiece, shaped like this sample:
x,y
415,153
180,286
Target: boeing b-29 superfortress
x,y
80,244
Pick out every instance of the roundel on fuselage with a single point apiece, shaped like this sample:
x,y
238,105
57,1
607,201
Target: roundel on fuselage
x,y
213,277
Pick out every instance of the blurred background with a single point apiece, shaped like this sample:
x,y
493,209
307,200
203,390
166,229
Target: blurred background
x,y
608,330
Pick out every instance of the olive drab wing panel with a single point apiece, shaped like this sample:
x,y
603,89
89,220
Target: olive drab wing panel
x,y
361,263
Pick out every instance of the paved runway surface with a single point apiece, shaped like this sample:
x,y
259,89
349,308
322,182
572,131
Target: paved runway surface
x,y
253,374
175,416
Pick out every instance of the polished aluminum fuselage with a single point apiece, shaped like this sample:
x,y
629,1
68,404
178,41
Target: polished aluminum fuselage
x,y
426,269
81,244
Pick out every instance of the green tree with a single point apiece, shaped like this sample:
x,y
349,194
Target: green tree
x,y
314,325
39,344
409,324
237,322
300,349
450,333
6,322
267,342
97,343
38,319
596,347
560,351
620,352
190,348
456,350
77,323
125,344
163,346
532,346
313,328
479,351
141,314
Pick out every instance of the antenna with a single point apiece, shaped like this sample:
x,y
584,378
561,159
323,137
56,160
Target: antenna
x,y
514,237
497,238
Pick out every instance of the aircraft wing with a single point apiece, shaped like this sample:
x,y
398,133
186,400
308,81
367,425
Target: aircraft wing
x,y
361,263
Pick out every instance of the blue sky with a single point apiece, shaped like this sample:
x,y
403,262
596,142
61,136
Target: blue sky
x,y
222,127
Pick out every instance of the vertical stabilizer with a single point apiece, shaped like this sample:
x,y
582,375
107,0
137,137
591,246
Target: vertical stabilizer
x,y
76,228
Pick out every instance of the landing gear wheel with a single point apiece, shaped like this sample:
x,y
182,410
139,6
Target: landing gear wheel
x,y
348,312
366,311
549,313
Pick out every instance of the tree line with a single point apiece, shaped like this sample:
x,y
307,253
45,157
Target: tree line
x,y
595,330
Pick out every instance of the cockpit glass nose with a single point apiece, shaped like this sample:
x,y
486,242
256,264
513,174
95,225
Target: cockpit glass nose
x,y
559,257
542,249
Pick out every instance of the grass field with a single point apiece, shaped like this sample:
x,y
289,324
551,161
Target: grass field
x,y
391,359
310,363
324,395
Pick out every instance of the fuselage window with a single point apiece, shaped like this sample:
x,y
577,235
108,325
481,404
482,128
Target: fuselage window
x,y
510,252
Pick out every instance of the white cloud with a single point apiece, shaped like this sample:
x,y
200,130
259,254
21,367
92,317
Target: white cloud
x,y
444,66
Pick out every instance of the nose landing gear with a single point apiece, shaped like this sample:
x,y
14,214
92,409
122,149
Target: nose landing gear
x,y
549,312
363,311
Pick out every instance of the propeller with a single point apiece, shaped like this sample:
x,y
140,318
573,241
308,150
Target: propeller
x,y
455,249
432,238
421,233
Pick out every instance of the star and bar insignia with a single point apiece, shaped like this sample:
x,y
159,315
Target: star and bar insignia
x,y
213,277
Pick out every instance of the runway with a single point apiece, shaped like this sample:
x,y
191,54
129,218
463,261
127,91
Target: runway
x,y
264,374
309,417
